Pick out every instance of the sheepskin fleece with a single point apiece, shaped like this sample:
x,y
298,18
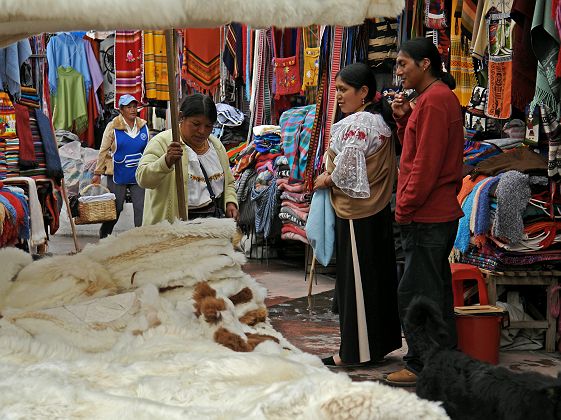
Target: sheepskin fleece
x,y
23,18
125,343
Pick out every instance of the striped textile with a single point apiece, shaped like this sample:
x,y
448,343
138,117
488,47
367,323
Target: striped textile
x,y
332,90
129,66
155,66
201,59
382,44
469,9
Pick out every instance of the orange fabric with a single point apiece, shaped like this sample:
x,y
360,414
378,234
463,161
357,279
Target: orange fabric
x,y
201,59
467,186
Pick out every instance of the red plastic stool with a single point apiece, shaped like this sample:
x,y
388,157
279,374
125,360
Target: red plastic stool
x,y
463,272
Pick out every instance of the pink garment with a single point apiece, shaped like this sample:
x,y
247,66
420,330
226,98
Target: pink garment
x,y
284,185
294,205
296,197
294,236
291,227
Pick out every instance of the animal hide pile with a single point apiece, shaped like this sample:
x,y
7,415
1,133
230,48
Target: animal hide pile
x,y
161,322
21,19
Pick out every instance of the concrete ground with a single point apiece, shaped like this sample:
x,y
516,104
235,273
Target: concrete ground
x,y
307,322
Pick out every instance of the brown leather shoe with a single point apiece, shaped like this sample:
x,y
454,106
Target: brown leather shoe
x,y
402,377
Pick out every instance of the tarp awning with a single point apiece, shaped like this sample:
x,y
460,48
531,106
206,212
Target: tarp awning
x,y
23,18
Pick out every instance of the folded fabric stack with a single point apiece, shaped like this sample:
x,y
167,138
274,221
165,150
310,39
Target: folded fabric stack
x,y
3,163
266,138
14,215
295,206
510,217
12,157
29,97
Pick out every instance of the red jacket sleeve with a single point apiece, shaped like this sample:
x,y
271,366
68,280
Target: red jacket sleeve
x,y
401,124
431,145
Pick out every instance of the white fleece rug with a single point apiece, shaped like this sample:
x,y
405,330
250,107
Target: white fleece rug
x,y
112,333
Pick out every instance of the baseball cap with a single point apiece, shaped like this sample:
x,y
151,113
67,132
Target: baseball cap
x,y
126,99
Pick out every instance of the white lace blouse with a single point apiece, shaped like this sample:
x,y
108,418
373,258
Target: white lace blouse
x,y
198,192
353,139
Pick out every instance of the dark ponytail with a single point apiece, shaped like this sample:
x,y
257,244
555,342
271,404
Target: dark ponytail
x,y
420,48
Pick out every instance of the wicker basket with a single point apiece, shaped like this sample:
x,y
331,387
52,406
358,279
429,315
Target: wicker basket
x,y
95,211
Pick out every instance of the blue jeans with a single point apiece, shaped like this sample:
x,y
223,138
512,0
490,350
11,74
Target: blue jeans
x,y
426,247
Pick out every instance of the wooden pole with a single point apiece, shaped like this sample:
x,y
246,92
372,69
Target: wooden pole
x,y
72,225
170,53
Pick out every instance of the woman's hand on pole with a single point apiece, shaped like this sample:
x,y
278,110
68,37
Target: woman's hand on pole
x,y
173,154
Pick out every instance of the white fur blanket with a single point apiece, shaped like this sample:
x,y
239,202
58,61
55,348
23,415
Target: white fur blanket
x,y
22,18
113,344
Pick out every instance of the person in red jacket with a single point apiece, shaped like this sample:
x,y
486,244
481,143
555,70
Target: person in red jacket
x,y
430,129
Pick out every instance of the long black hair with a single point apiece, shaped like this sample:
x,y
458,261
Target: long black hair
x,y
198,104
421,48
358,75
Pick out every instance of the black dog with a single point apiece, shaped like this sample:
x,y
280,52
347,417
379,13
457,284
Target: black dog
x,y
468,388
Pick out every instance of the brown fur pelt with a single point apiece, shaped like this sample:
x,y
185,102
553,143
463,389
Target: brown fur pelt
x,y
207,304
254,317
235,342
243,296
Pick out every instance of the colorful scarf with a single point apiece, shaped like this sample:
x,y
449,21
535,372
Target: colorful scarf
x,y
129,66
500,64
201,59
155,66
545,43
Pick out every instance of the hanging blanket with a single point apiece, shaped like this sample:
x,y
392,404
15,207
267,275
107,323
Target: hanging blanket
x,y
461,64
545,43
128,65
155,66
524,63
201,59
499,27
552,131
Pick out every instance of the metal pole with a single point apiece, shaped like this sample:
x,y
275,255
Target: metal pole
x,y
170,53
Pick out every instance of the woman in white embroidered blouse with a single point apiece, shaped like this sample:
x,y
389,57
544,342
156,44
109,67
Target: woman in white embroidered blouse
x,y
360,172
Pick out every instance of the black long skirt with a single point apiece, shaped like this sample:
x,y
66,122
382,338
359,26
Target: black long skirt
x,y
370,329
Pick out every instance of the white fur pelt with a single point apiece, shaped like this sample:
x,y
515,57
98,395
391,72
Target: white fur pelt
x,y
23,18
137,349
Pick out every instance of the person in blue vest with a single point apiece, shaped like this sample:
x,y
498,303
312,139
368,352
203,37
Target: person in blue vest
x,y
123,142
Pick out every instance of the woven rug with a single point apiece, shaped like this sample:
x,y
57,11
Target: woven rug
x,y
128,65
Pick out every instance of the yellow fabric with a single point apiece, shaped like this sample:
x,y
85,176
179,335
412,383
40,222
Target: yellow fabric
x,y
311,67
104,164
461,63
153,174
155,66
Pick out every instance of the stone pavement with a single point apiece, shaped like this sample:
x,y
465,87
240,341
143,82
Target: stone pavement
x,y
308,322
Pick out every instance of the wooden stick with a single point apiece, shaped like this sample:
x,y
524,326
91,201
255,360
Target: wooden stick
x,y
312,273
170,53
72,225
